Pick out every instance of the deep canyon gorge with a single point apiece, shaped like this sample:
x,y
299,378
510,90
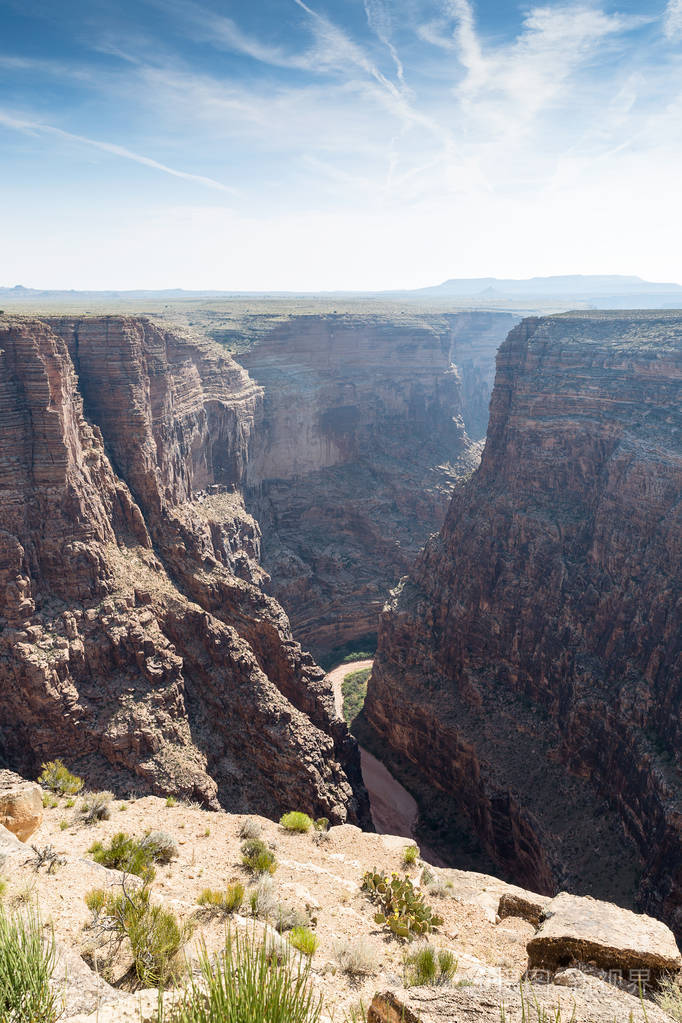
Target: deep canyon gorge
x,y
181,523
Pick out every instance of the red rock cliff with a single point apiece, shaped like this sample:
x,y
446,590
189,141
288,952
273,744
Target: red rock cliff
x,y
529,671
361,440
135,639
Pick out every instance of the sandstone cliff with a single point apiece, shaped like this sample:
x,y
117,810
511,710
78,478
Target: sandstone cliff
x,y
362,437
529,670
135,638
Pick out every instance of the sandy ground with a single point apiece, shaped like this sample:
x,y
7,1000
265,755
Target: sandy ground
x,y
321,877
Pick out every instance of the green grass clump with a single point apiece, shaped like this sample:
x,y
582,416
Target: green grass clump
x,y
410,854
249,982
354,691
154,933
57,778
26,966
303,939
171,801
669,997
130,855
296,821
228,901
429,966
257,858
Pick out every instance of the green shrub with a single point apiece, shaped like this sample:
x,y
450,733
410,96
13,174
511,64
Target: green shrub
x,y
257,858
57,778
154,934
429,966
228,901
249,983
262,899
303,939
403,909
250,828
354,692
3,887
410,854
321,824
125,853
361,655
296,821
171,801
26,966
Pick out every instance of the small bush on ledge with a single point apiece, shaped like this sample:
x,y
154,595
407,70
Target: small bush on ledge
x,y
57,778
257,858
296,821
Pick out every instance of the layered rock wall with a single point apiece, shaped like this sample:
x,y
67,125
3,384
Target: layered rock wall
x,y
361,440
535,652
135,639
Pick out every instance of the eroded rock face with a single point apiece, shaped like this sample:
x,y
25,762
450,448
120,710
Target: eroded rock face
x,y
530,668
135,640
21,805
362,436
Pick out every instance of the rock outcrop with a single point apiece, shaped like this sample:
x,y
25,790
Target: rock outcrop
x,y
135,640
362,437
529,670
21,805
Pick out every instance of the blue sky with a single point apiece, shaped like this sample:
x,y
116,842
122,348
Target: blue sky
x,y
320,144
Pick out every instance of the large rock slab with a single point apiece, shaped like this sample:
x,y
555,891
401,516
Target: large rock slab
x,y
21,805
10,847
595,1002
585,930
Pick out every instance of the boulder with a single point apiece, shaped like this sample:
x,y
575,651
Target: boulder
x,y
520,903
580,929
21,805
595,1002
10,847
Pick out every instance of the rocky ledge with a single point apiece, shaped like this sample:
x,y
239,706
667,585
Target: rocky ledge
x,y
135,638
529,673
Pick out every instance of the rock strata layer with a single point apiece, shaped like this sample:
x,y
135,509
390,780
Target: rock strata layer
x,y
366,425
136,641
529,669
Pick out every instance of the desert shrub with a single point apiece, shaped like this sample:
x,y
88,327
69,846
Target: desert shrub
x,y
27,963
250,829
127,854
296,821
171,801
435,884
303,939
153,933
402,906
57,778
356,957
257,858
429,966
96,807
361,655
669,997
287,918
162,846
228,901
410,854
3,887
248,983
321,824
262,900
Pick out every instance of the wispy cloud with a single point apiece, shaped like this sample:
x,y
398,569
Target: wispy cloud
x,y
672,19
35,127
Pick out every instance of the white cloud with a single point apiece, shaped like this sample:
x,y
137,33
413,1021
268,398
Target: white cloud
x,y
672,19
35,127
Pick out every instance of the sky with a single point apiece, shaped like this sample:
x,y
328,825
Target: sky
x,y
337,144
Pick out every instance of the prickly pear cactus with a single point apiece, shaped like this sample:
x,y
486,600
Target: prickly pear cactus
x,y
402,906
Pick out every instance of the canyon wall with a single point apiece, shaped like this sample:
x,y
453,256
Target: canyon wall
x,y
136,641
529,669
362,436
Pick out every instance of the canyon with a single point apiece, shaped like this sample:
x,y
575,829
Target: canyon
x,y
528,676
162,508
